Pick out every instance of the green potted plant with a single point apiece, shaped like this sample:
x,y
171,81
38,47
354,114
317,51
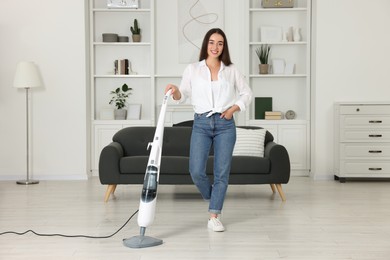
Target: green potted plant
x,y
119,99
136,31
263,54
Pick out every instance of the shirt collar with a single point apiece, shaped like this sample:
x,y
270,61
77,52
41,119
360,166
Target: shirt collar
x,y
203,63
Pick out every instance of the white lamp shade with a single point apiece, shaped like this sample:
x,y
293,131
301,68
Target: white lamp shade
x,y
27,75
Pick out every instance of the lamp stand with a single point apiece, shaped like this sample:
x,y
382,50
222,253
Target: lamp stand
x,y
27,181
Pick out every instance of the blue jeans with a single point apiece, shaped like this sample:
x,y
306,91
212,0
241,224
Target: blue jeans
x,y
221,133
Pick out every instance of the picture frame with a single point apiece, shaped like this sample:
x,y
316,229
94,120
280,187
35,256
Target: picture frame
x,y
133,4
134,112
271,34
107,113
289,69
278,66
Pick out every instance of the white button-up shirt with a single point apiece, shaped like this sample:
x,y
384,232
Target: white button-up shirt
x,y
196,84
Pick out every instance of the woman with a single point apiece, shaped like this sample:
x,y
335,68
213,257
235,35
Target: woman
x,y
217,90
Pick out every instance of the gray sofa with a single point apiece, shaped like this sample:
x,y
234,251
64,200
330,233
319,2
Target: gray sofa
x,y
124,160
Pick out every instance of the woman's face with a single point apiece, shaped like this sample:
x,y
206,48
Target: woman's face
x,y
215,45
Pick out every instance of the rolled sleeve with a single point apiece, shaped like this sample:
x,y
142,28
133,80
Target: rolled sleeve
x,y
244,91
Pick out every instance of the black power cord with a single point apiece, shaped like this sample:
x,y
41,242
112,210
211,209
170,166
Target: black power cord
x,y
62,235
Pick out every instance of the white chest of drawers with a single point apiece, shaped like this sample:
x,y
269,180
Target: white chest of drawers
x,y
362,140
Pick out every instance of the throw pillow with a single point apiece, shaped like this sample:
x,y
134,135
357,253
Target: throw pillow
x,y
249,142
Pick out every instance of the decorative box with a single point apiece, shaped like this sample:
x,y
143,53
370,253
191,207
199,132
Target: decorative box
x,y
277,3
110,37
122,4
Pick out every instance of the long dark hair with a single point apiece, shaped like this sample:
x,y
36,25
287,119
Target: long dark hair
x,y
225,56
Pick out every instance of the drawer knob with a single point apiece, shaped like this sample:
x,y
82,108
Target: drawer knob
x,y
375,169
375,121
357,109
374,135
375,151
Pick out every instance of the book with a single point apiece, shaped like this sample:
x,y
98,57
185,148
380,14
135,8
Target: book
x,y
273,117
273,113
262,104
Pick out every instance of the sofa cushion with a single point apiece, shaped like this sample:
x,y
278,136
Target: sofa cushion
x,y
249,142
180,165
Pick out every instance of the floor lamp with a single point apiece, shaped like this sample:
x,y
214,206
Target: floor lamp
x,y
27,76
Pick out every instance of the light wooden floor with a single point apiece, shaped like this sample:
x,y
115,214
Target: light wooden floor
x,y
319,220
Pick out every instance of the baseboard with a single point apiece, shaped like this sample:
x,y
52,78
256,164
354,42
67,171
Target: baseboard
x,y
71,177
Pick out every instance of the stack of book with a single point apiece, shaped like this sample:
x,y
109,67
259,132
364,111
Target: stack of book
x,y
273,115
122,67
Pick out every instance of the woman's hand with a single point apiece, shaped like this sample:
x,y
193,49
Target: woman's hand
x,y
228,114
175,91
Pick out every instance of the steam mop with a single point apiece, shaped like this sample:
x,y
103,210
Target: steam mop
x,y
148,199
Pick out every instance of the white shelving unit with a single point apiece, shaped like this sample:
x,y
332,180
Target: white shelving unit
x,y
288,91
103,80
156,64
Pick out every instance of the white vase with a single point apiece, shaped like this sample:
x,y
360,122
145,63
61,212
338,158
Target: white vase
x,y
297,35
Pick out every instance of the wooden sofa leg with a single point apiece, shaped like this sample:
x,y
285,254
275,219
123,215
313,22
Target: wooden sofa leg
x,y
110,190
280,190
273,188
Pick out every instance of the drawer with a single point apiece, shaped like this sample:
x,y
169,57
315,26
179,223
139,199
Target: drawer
x,y
356,135
378,121
365,151
372,109
368,168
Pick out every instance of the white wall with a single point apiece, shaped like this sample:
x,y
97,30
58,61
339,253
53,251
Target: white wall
x,y
352,64
52,34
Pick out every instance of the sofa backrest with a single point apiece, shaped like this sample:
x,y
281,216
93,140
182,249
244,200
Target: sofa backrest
x,y
176,142
134,140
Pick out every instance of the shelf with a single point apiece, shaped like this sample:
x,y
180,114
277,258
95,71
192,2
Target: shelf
x,y
278,43
278,122
122,122
122,43
297,9
168,76
122,76
278,76
121,10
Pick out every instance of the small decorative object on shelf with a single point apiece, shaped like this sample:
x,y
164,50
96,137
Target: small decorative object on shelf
x,y
271,33
263,53
119,98
290,34
273,115
290,114
278,66
107,114
262,104
297,35
123,38
134,112
122,4
121,67
136,31
110,37
277,3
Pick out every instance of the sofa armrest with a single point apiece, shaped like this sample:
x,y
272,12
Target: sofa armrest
x,y
280,161
109,171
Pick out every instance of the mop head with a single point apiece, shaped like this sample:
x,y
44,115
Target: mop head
x,y
141,241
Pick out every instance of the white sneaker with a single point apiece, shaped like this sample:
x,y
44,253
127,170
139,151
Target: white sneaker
x,y
215,225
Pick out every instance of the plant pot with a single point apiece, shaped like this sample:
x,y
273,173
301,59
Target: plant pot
x,y
136,37
120,114
263,68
